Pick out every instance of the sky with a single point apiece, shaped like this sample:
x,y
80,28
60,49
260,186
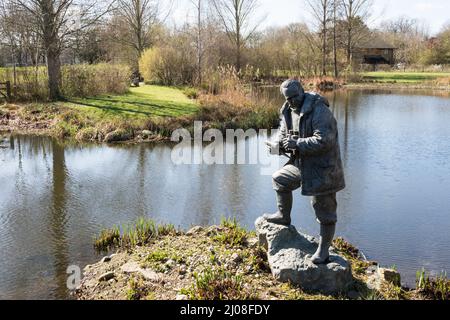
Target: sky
x,y
434,13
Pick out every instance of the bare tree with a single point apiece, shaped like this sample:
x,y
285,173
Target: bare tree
x,y
199,42
235,17
19,35
55,22
355,14
140,18
305,49
322,12
409,38
335,15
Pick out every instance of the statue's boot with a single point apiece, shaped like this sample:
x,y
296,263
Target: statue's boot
x,y
283,216
326,238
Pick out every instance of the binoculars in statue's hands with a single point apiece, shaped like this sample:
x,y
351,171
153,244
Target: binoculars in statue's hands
x,y
277,148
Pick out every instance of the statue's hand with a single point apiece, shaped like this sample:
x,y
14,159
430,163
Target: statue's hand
x,y
289,144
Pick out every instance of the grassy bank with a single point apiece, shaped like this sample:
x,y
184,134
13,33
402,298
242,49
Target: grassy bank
x,y
151,113
217,262
399,80
404,77
381,79
147,113
140,103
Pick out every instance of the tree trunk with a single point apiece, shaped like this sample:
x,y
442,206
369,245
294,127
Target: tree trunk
x,y
238,57
238,53
349,32
324,39
349,46
336,72
199,43
52,48
238,40
54,73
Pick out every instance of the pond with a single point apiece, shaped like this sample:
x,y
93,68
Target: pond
x,y
54,199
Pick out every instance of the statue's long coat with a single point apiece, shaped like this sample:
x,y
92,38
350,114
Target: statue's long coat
x,y
318,146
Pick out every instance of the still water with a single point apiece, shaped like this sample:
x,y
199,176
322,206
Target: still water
x,y
395,146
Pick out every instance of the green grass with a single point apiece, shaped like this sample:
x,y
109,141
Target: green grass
x,y
112,118
158,259
437,288
233,234
156,109
139,233
140,103
404,77
138,290
217,285
107,239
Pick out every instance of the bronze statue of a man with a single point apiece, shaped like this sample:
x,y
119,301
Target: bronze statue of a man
x,y
309,134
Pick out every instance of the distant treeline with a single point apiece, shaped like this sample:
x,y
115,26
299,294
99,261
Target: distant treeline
x,y
215,33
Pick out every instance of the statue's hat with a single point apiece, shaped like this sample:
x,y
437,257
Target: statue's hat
x,y
291,88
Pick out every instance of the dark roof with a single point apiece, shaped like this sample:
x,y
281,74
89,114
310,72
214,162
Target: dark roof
x,y
374,42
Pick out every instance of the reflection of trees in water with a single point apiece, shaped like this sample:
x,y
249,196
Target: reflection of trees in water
x,y
37,149
141,172
237,195
20,175
153,181
346,127
205,195
58,219
33,147
345,105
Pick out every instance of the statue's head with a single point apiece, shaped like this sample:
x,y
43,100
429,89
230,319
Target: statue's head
x,y
293,92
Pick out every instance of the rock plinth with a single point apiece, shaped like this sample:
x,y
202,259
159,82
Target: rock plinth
x,y
289,253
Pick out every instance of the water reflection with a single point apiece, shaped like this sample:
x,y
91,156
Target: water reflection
x,y
58,219
55,198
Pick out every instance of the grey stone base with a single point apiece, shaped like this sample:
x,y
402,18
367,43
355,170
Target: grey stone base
x,y
289,254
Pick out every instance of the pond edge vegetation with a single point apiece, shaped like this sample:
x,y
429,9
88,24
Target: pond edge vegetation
x,y
100,107
223,262
226,104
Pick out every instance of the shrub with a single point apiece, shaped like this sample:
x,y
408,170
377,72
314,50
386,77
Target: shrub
x,y
191,93
76,81
167,65
222,80
85,80
354,78
31,82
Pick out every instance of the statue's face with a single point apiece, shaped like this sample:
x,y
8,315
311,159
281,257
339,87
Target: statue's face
x,y
295,102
